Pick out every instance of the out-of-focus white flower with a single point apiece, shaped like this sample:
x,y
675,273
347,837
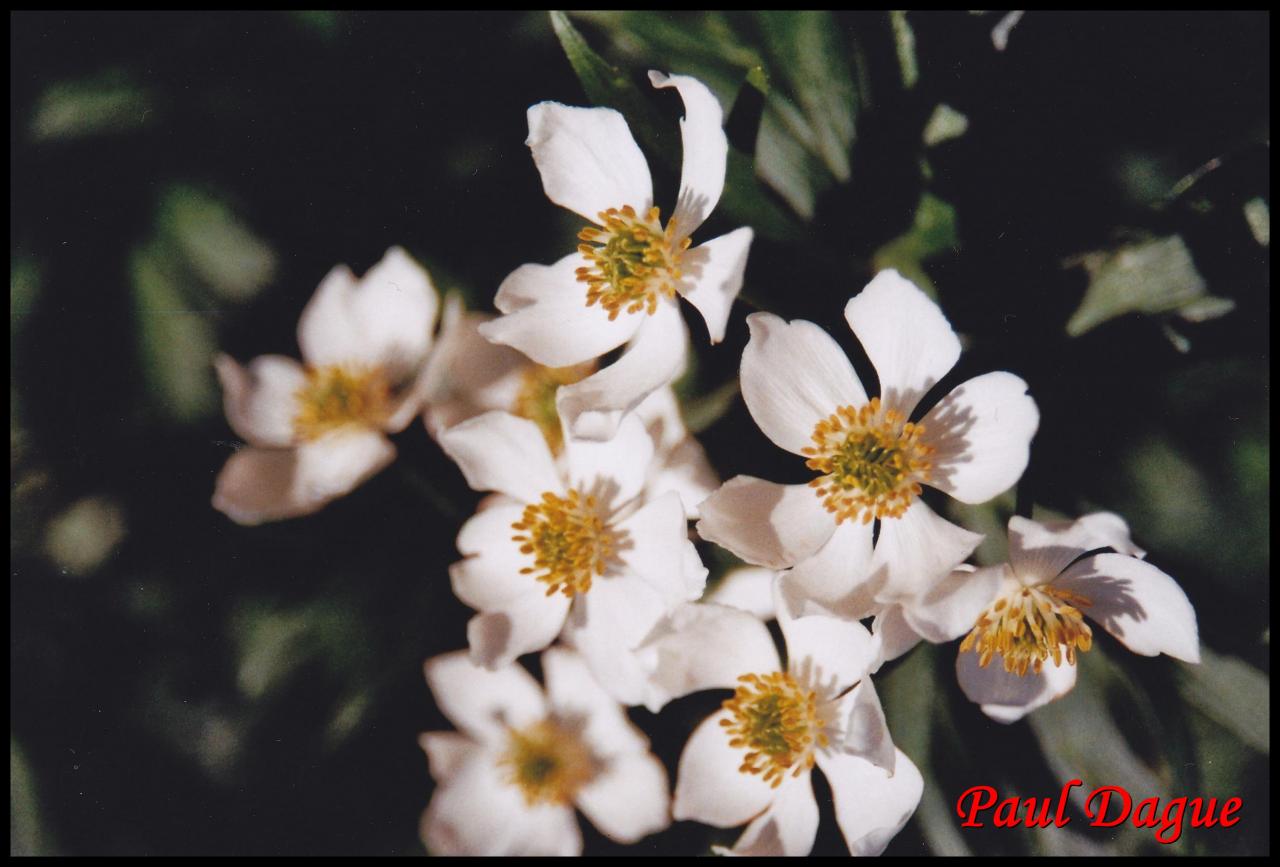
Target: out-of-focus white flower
x,y
570,541
1025,619
870,458
620,285
751,761
474,376
318,429
508,780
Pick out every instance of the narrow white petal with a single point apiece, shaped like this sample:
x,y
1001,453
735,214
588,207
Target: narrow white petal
x,y
765,523
706,151
907,338
787,829
711,277
1038,552
526,624
588,160
498,451
709,786
490,576
918,550
749,588
793,376
613,470
446,753
951,608
827,654
629,799
1137,603
261,401
653,543
834,580
481,703
982,432
871,806
1006,697
575,694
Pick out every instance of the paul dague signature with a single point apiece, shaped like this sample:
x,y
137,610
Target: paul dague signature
x,y
1106,807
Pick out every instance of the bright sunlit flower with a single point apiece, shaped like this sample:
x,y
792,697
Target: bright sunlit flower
x,y
318,429
508,781
620,285
570,541
870,460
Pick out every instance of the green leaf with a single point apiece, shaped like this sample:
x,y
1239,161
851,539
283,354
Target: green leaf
x,y
27,835
904,40
108,103
234,262
1233,694
1258,215
944,124
933,232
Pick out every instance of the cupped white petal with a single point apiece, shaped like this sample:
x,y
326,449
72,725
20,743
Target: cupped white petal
x,y
916,551
653,544
793,376
827,654
787,828
629,799
982,433
709,786
588,160
906,336
749,588
483,703
261,400
1006,697
1038,552
706,151
834,580
1140,605
498,451
490,576
765,523
858,726
447,752
951,608
576,696
711,277
614,470
523,625
326,334
871,805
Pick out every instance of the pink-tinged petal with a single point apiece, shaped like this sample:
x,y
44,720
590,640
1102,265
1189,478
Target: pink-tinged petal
x,y
711,277
793,376
261,400
325,331
652,545
765,523
1038,552
490,576
918,550
894,635
606,626
1006,697
498,451
860,728
467,375
482,703
613,470
526,624
787,828
827,654
906,336
749,588
629,799
709,786
256,485
545,316
588,160
952,607
982,432
446,753
1141,606
706,151
593,407
835,579
871,806
575,695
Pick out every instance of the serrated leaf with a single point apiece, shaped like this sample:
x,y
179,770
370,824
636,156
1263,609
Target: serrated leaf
x,y
1233,694
1151,276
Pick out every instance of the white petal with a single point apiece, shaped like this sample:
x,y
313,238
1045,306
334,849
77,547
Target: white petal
x,y
576,695
613,470
686,472
653,543
1137,603
982,432
261,401
711,277
256,485
447,752
861,727
325,331
918,550
588,160
749,588
893,634
1006,697
483,703
765,523
871,806
706,151
1107,529
827,654
660,414
606,626
835,579
630,799
787,829
952,607
592,408
906,337
1038,552
498,451
547,318
490,576
709,786
793,376
525,624
466,374
335,464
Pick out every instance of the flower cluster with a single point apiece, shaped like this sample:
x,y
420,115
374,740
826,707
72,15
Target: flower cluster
x,y
582,551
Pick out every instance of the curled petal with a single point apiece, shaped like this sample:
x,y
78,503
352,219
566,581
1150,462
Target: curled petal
x,y
871,805
765,523
706,151
261,400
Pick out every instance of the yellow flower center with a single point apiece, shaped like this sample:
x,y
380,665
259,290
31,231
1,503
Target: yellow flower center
x,y
872,462
777,723
548,762
536,399
631,259
568,540
337,395
1029,625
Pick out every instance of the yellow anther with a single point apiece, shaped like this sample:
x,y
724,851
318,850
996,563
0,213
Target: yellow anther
x,y
776,723
568,540
1029,625
548,762
536,399
335,396
632,260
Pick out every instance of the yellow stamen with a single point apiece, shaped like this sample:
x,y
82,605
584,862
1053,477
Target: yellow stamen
x,y
777,723
872,460
335,396
568,539
536,399
548,762
632,260
1028,626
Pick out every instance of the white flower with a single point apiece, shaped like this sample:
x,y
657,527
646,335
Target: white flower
x,y
509,779
476,376
317,430
1026,619
620,285
567,542
870,459
751,761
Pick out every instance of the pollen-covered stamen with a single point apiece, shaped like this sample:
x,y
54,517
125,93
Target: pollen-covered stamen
x,y
336,395
548,762
568,540
777,723
1029,625
632,260
872,460
536,399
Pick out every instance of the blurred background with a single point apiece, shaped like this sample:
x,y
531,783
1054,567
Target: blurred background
x,y
1089,204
